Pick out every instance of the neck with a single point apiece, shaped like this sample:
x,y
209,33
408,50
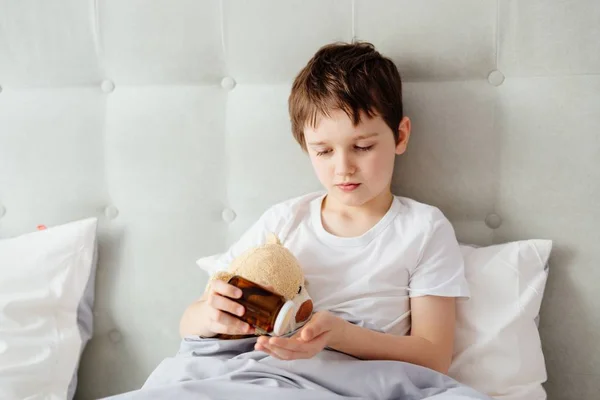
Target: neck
x,y
377,206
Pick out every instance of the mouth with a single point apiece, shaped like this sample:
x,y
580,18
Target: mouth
x,y
348,187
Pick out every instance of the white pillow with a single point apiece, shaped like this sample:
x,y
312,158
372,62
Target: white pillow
x,y
497,348
46,298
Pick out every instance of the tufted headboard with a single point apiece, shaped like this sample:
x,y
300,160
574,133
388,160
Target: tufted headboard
x,y
168,120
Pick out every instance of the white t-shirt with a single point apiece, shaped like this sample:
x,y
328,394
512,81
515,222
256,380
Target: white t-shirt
x,y
369,279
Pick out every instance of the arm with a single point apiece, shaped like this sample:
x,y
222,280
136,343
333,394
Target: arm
x,y
430,343
435,282
190,323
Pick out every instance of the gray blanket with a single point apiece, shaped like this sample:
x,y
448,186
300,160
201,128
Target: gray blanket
x,y
232,369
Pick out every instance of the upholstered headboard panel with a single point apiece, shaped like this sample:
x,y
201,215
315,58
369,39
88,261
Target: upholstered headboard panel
x,y
168,119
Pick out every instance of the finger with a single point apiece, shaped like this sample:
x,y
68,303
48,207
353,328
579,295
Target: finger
x,y
300,349
313,330
229,330
263,344
283,354
307,334
266,350
229,324
307,348
225,289
289,344
261,347
297,335
280,353
225,304
262,340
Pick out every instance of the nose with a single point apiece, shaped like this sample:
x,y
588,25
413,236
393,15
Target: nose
x,y
344,165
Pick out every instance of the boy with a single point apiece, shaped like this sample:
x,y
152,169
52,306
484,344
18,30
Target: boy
x,y
383,270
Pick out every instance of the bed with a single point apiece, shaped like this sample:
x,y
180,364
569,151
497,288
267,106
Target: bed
x,y
136,137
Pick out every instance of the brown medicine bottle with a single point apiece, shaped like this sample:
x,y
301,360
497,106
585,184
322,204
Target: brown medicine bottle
x,y
267,312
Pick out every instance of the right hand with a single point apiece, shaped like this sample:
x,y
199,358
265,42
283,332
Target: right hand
x,y
218,308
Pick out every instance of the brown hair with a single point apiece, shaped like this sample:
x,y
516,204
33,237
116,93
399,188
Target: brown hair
x,y
352,77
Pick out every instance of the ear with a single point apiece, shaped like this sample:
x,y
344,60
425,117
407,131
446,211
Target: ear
x,y
272,238
404,130
305,311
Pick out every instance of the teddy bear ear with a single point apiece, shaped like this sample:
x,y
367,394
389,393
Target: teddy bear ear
x,y
272,238
222,276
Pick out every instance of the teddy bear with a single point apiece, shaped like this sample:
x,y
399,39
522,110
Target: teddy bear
x,y
272,265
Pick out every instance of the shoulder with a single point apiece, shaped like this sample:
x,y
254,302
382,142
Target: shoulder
x,y
426,224
439,265
424,216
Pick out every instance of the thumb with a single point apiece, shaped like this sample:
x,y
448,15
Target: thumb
x,y
313,329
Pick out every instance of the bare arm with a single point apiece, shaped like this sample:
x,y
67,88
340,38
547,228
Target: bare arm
x,y
191,320
430,343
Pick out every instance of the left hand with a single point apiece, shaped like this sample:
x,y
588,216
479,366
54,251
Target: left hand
x,y
312,338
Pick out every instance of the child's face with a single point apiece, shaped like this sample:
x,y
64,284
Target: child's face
x,y
355,164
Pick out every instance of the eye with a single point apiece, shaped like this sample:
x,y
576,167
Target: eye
x,y
323,152
299,289
365,148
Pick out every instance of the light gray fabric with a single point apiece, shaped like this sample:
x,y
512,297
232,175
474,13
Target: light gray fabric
x,y
232,369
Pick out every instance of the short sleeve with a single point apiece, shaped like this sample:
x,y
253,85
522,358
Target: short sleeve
x,y
440,270
271,221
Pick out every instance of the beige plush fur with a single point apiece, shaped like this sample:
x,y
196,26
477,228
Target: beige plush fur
x,y
270,264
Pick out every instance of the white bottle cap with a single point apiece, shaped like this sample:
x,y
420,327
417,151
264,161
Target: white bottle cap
x,y
284,317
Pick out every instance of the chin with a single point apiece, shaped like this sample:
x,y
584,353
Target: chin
x,y
350,199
